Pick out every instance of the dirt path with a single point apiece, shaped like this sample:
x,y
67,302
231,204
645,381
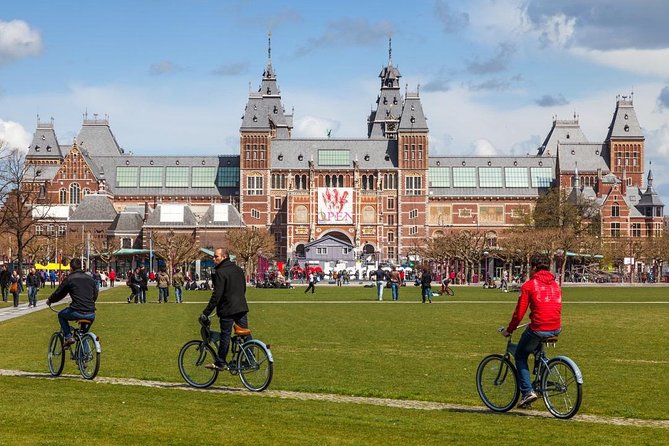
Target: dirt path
x,y
305,396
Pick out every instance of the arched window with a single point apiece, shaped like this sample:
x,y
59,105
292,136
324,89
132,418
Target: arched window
x,y
615,210
368,215
62,196
75,196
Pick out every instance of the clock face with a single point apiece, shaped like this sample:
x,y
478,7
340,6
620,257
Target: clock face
x,y
391,126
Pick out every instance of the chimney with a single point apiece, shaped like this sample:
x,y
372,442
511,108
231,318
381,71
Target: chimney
x,y
146,211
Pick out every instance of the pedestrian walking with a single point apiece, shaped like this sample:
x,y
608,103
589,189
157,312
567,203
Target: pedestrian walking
x,y
33,282
312,283
178,283
163,281
15,287
395,283
4,282
380,276
426,286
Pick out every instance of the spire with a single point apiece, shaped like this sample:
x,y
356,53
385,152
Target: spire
x,y
650,175
390,51
269,47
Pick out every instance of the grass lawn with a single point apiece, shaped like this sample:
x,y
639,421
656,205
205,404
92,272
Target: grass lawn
x,y
341,341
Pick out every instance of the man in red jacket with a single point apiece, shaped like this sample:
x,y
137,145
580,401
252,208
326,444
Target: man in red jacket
x,y
543,296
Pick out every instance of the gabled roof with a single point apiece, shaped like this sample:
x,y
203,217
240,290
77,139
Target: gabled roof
x,y
94,207
329,240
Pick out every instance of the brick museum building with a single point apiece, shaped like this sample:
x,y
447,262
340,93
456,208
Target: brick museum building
x,y
337,199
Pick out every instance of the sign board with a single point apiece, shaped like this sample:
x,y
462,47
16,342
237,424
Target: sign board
x,y
335,205
629,261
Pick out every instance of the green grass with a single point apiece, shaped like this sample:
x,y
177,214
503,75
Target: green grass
x,y
340,340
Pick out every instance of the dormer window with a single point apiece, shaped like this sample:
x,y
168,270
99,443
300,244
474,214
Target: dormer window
x,y
366,157
276,110
36,148
300,157
385,100
627,128
255,118
413,119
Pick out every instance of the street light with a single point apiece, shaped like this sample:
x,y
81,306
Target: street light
x,y
485,269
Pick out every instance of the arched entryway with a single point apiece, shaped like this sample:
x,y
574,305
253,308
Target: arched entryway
x,y
339,236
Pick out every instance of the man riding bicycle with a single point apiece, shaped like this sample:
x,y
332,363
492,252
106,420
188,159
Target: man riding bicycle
x,y
229,300
543,296
83,291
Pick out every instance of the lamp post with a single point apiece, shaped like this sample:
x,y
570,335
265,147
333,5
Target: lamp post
x,y
485,268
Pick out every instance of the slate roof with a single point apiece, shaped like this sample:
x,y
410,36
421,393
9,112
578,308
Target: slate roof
x,y
108,164
95,207
154,220
45,143
370,153
587,157
563,131
495,161
625,124
96,139
234,217
127,223
413,117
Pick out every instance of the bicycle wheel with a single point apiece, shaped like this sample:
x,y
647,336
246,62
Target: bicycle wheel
x,y
255,365
496,383
87,356
561,391
449,291
193,358
56,354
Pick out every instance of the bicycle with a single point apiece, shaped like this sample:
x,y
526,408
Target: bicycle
x,y
85,351
446,289
252,360
558,380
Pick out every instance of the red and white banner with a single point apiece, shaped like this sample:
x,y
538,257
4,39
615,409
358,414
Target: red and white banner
x,y
335,205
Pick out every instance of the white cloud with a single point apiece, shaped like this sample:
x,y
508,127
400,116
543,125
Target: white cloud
x,y
483,147
646,62
18,40
14,135
314,127
557,30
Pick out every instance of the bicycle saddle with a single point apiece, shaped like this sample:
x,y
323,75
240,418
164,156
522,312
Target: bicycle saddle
x,y
241,331
84,321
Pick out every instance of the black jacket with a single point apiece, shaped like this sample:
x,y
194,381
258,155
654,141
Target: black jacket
x,y
4,277
81,288
426,280
33,280
229,295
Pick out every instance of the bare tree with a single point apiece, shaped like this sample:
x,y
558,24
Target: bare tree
x,y
175,248
22,197
249,243
105,247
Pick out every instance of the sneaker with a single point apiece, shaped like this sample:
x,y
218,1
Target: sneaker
x,y
69,341
527,399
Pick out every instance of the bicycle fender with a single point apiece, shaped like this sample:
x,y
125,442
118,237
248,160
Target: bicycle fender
x,y
262,344
577,371
98,347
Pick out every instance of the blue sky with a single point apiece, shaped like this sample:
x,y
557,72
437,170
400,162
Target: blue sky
x,y
173,76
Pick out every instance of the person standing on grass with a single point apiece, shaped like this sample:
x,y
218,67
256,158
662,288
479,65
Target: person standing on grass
x,y
15,287
229,300
178,283
380,277
112,278
395,283
426,285
312,283
52,278
143,280
543,296
163,281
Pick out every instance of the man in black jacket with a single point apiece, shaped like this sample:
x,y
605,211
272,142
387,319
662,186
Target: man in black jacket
x,y
4,282
83,292
229,299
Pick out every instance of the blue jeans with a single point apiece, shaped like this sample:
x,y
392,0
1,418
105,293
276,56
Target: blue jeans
x,y
529,341
32,295
226,327
142,295
426,293
379,288
68,314
394,290
178,294
162,294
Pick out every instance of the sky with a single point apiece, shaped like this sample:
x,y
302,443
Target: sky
x,y
173,77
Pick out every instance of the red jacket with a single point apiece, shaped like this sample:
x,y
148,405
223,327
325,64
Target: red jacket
x,y
544,297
